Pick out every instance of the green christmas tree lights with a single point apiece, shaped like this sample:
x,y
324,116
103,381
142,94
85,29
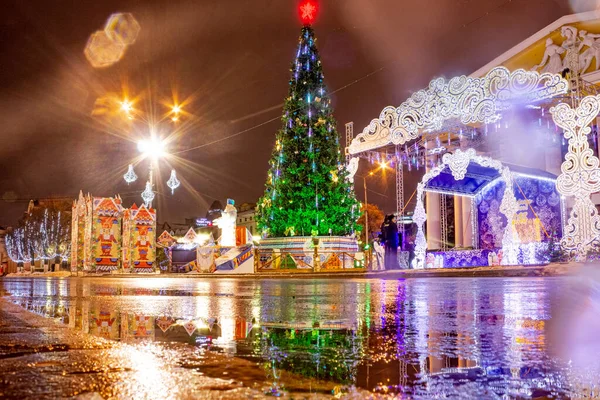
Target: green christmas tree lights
x,y
307,190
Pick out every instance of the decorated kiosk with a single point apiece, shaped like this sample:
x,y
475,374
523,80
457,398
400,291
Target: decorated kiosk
x,y
96,233
554,76
106,237
232,253
446,129
516,212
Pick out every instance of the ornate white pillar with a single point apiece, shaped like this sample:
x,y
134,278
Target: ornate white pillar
x,y
458,222
467,223
579,176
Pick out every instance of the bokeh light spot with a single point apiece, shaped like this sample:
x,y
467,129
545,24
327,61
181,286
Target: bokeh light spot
x,y
122,27
101,51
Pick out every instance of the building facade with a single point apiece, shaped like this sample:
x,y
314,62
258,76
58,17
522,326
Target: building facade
x,y
246,216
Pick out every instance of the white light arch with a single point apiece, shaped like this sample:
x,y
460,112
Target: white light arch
x,y
458,163
467,99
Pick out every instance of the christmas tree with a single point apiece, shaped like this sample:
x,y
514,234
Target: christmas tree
x,y
307,190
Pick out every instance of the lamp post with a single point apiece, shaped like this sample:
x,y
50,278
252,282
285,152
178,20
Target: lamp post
x,y
154,149
366,211
382,166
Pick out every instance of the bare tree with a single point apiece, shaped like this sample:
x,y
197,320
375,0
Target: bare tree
x,y
44,233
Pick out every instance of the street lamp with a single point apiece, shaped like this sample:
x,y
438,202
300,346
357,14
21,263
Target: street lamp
x,y
153,149
382,166
127,108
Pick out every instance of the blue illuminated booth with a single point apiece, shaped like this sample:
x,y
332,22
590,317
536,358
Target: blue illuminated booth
x,y
537,222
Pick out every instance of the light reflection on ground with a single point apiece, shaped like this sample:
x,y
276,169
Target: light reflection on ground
x,y
465,337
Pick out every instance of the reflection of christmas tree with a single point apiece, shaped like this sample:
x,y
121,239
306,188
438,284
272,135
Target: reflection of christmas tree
x,y
331,355
307,191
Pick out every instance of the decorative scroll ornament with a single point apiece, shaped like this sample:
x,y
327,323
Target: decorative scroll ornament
x,y
148,194
580,174
130,175
470,100
173,183
352,167
458,163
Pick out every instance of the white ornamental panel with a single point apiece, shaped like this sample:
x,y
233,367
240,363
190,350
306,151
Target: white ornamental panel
x,y
580,175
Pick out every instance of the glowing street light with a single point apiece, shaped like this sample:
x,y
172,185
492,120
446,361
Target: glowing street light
x,y
127,108
176,110
153,148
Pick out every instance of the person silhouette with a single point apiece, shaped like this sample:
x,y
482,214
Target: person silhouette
x,y
390,233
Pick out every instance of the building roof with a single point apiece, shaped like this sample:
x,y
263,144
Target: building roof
x,y
532,48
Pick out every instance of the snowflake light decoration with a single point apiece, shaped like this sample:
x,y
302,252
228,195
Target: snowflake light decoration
x,y
130,175
148,194
308,11
173,182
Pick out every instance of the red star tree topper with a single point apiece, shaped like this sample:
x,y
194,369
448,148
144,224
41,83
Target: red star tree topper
x,y
308,11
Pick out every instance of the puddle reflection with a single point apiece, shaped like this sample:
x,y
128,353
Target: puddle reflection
x,y
471,338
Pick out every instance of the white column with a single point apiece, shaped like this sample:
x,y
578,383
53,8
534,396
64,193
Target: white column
x,y
458,222
434,234
467,223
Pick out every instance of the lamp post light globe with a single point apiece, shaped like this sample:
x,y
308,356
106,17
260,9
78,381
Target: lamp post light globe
x,y
153,148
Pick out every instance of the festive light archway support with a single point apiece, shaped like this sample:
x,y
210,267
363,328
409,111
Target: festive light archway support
x,y
458,163
580,175
470,100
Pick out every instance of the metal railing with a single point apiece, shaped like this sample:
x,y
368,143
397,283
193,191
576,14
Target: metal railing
x,y
318,261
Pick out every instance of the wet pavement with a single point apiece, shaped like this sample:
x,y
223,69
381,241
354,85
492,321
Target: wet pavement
x,y
352,338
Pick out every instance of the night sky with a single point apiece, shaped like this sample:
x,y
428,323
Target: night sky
x,y
230,60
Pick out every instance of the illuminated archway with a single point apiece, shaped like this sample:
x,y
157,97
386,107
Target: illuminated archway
x,y
458,163
470,100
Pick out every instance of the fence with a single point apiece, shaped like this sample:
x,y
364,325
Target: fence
x,y
269,260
